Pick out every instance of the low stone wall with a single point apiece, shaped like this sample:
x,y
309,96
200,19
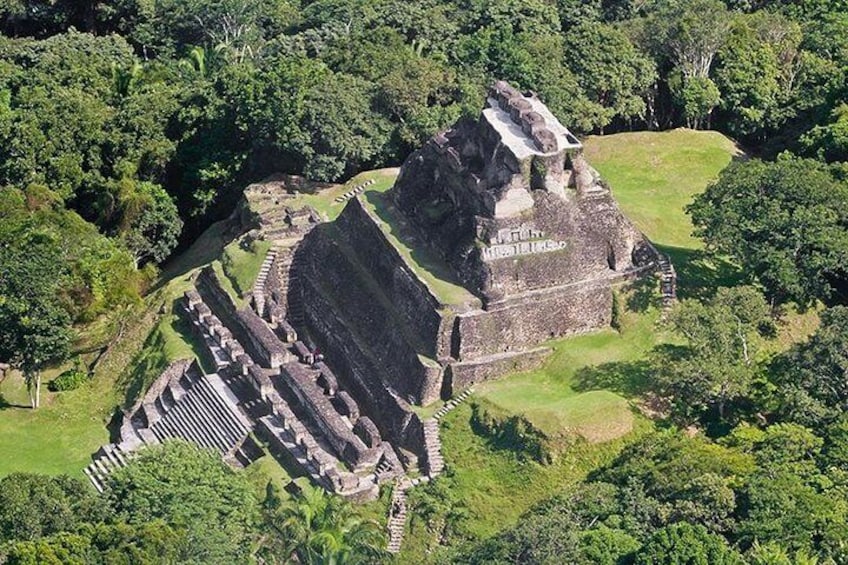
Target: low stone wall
x,y
145,413
371,318
413,300
463,375
297,379
360,374
249,329
534,318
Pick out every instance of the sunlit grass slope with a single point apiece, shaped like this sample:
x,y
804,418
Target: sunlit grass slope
x,y
654,175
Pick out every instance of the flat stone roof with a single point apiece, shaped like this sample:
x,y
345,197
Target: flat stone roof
x,y
521,144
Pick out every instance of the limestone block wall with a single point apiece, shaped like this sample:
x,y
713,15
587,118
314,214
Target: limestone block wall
x,y
563,241
361,374
374,322
462,375
534,318
259,341
300,383
419,309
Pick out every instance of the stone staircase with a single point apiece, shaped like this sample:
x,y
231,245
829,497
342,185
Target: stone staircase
x,y
433,446
383,468
109,458
668,282
356,190
201,416
452,403
397,516
259,284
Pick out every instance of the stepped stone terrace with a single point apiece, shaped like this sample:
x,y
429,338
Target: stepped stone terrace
x,y
394,291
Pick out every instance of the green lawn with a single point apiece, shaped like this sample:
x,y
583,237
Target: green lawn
x,y
60,436
654,175
423,261
241,266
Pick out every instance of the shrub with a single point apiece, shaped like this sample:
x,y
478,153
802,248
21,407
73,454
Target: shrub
x,y
69,380
615,321
511,432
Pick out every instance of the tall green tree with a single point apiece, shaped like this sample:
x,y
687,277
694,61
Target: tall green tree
x,y
785,223
684,43
757,68
829,141
35,327
685,544
34,506
717,365
344,131
150,224
611,71
192,490
812,377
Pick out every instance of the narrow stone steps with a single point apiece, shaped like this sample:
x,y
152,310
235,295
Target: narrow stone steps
x,y
261,279
396,523
356,190
103,463
113,461
220,436
222,415
451,404
433,448
96,480
182,427
668,282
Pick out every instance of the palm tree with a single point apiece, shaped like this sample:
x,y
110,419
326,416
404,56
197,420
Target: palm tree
x,y
195,61
317,528
124,79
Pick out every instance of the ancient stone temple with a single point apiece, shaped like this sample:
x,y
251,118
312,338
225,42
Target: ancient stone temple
x,y
507,207
527,225
512,204
496,237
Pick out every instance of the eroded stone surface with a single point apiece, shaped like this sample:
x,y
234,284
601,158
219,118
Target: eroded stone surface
x,y
344,333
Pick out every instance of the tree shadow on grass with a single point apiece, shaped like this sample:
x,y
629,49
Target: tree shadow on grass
x,y
147,365
700,273
4,404
643,294
628,378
